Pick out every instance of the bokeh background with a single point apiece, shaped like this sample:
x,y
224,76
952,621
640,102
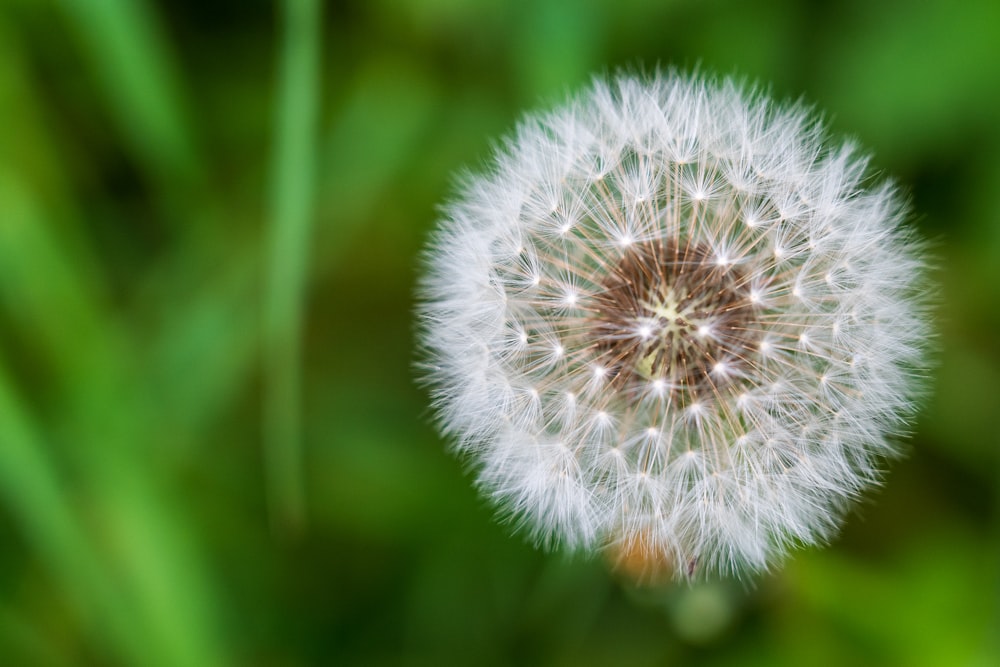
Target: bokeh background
x,y
212,449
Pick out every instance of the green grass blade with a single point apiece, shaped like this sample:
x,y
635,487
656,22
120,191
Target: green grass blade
x,y
125,45
291,218
32,490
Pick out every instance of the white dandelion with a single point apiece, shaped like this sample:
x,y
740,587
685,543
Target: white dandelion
x,y
671,319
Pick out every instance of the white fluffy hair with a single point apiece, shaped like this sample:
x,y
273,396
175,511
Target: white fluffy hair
x,y
671,318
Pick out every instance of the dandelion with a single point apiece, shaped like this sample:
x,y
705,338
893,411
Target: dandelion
x,y
671,320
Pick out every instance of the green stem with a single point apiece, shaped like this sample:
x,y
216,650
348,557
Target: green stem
x,y
290,220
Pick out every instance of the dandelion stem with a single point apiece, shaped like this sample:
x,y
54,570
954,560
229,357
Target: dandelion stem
x,y
290,218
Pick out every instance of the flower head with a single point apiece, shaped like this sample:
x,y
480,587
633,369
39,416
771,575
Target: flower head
x,y
671,319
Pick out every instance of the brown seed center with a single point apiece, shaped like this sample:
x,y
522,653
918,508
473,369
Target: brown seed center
x,y
675,312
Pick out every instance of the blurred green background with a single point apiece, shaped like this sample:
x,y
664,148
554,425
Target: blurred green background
x,y
212,450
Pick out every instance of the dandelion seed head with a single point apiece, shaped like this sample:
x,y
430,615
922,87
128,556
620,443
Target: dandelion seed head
x,y
672,318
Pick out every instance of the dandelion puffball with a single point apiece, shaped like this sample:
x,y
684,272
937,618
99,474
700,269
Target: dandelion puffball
x,y
671,319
